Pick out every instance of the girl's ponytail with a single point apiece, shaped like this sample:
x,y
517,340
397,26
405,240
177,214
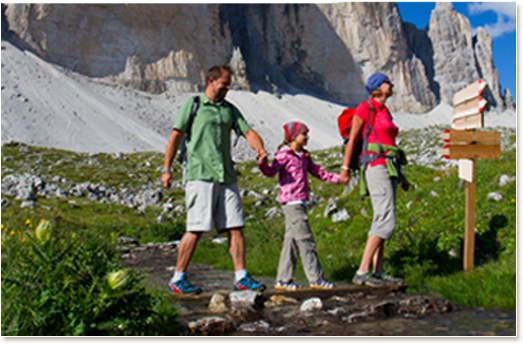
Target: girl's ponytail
x,y
283,144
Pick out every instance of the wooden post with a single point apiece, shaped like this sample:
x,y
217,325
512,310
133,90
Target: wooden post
x,y
470,214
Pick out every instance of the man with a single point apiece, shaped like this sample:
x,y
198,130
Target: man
x,y
211,194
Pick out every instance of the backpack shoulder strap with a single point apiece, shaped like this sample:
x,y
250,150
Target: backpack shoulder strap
x,y
194,111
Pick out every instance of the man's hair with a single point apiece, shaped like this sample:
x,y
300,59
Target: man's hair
x,y
215,72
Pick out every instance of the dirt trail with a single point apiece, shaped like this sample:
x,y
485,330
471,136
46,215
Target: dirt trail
x,y
347,310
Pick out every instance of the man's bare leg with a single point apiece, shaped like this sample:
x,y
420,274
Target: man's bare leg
x,y
186,249
236,241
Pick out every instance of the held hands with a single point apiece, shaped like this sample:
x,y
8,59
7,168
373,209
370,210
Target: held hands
x,y
344,177
261,155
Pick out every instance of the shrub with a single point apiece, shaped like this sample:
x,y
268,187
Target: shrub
x,y
71,283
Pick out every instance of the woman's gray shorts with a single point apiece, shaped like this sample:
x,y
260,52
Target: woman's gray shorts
x,y
382,190
213,205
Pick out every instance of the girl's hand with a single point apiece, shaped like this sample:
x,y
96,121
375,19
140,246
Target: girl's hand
x,y
261,155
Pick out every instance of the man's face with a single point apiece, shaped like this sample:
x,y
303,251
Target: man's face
x,y
221,85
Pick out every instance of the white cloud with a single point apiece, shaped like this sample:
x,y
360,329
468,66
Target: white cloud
x,y
505,11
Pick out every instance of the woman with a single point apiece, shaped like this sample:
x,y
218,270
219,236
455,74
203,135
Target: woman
x,y
380,175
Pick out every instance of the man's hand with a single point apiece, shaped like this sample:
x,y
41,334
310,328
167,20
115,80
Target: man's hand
x,y
167,179
344,177
261,155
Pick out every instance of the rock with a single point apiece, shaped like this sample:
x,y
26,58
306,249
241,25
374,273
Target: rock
x,y
28,204
453,54
256,195
504,180
353,182
244,315
385,309
482,43
5,203
255,326
219,240
217,302
311,304
330,208
274,211
245,298
211,326
356,317
286,47
278,300
179,209
509,101
340,216
336,311
496,196
123,240
167,207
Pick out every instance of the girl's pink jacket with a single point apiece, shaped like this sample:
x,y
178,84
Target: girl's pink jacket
x,y
294,184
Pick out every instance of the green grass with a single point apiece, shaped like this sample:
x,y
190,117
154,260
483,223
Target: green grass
x,y
490,285
425,249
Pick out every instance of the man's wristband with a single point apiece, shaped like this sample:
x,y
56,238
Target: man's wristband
x,y
167,170
345,168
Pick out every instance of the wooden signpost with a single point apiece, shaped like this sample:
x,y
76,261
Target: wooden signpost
x,y
463,142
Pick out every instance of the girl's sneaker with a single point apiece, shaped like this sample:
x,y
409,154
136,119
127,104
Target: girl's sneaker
x,y
322,284
289,286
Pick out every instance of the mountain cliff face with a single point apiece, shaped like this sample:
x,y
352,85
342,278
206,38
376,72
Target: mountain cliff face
x,y
327,50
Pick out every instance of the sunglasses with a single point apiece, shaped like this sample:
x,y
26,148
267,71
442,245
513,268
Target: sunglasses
x,y
387,82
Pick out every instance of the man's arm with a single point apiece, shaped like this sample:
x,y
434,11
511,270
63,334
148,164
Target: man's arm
x,y
256,142
170,153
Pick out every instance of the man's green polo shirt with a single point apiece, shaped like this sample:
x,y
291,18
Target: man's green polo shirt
x,y
209,149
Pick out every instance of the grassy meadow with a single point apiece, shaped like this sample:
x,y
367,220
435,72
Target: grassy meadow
x,y
60,279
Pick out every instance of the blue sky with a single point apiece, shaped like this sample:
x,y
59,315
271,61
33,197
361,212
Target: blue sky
x,y
498,18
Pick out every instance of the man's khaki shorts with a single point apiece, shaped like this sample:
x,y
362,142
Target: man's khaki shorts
x,y
213,205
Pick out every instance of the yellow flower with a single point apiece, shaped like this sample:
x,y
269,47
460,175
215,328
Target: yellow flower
x,y
117,279
12,233
43,231
27,222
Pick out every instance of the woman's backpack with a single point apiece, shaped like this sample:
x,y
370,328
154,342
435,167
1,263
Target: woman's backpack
x,y
345,126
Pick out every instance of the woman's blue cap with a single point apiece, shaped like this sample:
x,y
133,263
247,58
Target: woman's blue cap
x,y
374,82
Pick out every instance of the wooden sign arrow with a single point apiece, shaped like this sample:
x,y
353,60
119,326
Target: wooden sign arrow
x,y
473,90
471,151
468,137
469,122
471,144
470,107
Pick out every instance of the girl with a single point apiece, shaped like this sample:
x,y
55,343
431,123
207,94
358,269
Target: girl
x,y
293,163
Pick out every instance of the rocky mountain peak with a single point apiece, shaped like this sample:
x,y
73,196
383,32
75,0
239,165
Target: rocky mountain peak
x,y
326,50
